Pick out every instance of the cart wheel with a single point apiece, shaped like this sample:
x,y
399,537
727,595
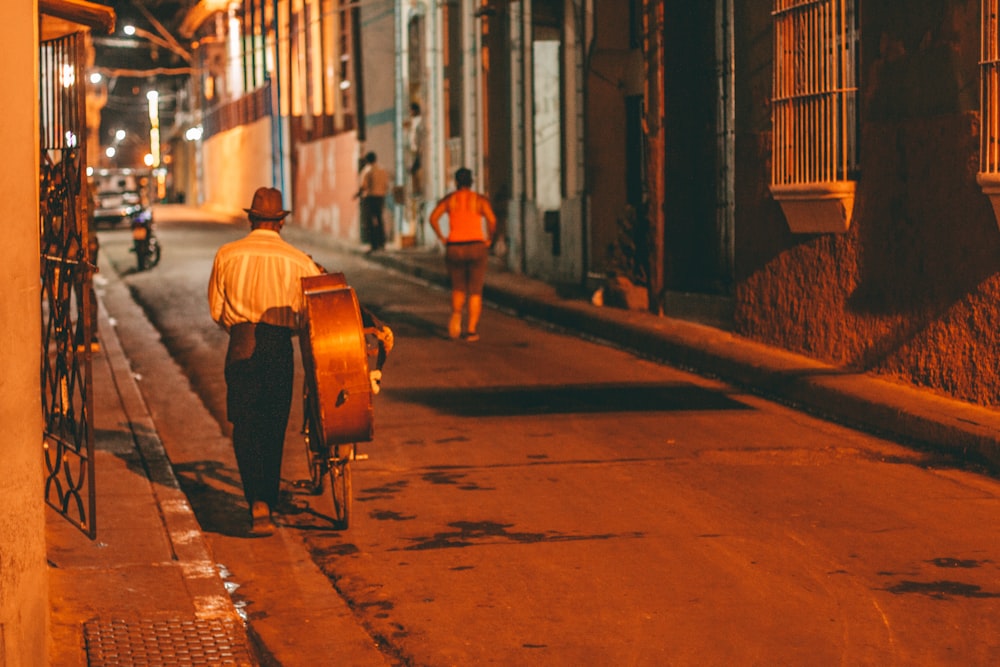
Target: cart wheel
x,y
340,485
316,460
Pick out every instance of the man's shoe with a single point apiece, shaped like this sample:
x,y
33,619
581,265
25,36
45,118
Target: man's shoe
x,y
261,524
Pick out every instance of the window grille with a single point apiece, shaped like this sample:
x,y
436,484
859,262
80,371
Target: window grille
x,y
815,113
309,46
990,90
989,134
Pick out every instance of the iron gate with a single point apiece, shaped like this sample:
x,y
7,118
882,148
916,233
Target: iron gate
x,y
68,302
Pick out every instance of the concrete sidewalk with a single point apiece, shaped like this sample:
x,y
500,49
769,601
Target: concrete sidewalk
x,y
146,591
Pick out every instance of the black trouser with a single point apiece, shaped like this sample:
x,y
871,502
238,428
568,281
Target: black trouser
x,y
371,210
259,374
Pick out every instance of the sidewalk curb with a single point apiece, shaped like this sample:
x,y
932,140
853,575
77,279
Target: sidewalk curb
x,y
205,584
862,401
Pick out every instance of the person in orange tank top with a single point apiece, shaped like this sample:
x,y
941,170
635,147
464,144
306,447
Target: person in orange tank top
x,y
467,247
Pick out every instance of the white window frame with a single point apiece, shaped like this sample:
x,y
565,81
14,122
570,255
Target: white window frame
x,y
989,102
814,112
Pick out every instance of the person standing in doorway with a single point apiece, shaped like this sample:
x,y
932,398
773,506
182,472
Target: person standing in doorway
x,y
415,145
415,141
255,294
373,190
467,247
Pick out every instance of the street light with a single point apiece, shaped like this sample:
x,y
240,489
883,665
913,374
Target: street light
x,y
153,98
121,148
170,45
164,56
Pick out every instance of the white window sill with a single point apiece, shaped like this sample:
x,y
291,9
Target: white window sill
x,y
817,208
989,182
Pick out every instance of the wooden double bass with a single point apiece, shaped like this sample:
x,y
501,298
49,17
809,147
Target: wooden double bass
x,y
335,360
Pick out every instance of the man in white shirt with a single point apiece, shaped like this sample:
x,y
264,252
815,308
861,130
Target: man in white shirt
x,y
374,188
255,293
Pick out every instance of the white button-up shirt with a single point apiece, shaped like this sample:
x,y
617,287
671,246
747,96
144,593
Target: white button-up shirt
x,y
258,279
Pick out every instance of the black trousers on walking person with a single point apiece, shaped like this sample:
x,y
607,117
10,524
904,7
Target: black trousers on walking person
x,y
259,376
371,213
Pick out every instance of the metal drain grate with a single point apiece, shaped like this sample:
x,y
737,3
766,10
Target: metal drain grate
x,y
165,643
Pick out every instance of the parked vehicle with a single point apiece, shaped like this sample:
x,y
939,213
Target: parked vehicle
x,y
117,195
145,245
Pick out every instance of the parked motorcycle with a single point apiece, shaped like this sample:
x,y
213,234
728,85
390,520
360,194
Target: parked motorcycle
x,y
145,245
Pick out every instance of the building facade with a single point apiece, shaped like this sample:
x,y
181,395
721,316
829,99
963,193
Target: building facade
x,y
277,98
824,170
862,234
502,90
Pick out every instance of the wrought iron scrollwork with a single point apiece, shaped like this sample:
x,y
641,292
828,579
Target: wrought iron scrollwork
x,y
68,303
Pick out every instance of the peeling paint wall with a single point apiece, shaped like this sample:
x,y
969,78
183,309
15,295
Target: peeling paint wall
x,y
911,290
326,181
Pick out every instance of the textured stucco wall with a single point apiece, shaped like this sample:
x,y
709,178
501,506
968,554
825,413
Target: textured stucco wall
x,y
24,596
911,289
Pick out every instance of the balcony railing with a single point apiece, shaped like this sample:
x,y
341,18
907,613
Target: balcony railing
x,y
251,107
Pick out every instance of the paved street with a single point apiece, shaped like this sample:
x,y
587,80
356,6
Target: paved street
x,y
534,498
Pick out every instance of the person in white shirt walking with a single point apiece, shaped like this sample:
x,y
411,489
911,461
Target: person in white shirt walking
x,y
255,293
374,188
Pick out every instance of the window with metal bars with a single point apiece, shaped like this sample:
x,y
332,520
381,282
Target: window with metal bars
x,y
309,46
814,105
989,134
989,62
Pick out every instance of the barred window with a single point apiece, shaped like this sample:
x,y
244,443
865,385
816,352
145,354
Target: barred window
x,y
323,54
990,90
815,111
989,134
